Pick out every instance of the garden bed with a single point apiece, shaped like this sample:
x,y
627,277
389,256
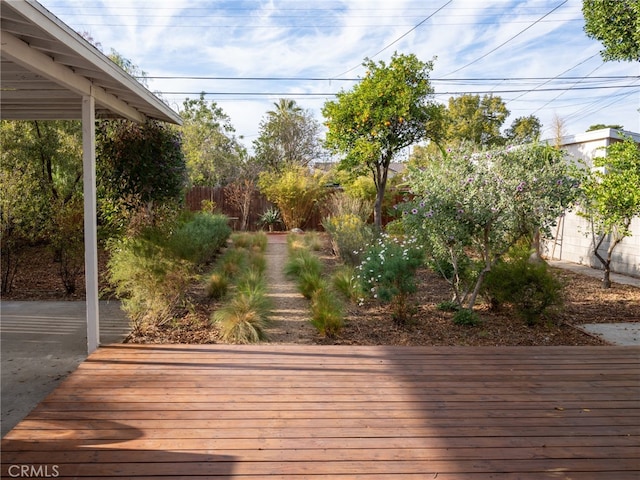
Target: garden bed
x,y
371,324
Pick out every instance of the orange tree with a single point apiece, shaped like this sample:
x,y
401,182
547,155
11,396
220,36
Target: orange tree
x,y
391,108
612,199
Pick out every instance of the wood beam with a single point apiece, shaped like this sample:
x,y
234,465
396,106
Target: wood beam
x,y
20,52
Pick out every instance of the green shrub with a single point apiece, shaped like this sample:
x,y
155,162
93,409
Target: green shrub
x,y
341,203
388,272
466,317
527,285
395,228
199,238
346,282
448,306
295,191
326,313
67,242
149,280
349,234
244,318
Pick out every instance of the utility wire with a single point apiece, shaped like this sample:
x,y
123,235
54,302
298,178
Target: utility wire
x,y
570,88
504,43
450,80
557,76
399,38
588,108
326,94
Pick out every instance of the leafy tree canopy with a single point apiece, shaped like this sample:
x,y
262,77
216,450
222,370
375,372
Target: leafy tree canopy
x,y
47,157
390,109
476,119
128,66
615,23
41,178
470,208
289,135
213,154
140,166
524,130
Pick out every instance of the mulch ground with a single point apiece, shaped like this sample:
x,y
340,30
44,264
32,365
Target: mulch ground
x,y
371,324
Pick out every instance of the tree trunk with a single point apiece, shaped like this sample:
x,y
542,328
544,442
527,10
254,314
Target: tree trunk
x,y
488,265
606,263
381,172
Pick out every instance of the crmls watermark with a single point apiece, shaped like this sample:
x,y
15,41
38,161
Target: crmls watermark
x,y
34,471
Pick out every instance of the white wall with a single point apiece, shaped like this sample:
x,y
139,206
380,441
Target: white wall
x,y
572,238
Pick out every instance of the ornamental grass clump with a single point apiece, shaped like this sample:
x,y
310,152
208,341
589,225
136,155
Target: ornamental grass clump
x,y
345,281
244,317
244,313
309,282
302,261
326,312
217,285
306,268
388,271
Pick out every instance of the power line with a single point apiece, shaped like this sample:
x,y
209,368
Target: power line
x,y
559,75
327,94
572,88
400,37
357,79
589,108
504,43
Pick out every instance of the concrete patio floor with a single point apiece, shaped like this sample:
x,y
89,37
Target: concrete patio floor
x,y
43,342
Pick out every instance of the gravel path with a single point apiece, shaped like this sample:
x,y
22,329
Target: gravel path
x,y
290,314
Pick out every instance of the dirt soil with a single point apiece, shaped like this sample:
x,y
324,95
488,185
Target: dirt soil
x,y
371,324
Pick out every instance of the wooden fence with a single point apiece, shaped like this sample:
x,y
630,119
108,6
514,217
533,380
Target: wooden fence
x,y
259,204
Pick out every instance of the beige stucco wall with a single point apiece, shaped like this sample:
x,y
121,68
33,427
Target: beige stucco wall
x,y
572,239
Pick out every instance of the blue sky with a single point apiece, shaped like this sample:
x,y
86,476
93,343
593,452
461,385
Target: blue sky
x,y
532,53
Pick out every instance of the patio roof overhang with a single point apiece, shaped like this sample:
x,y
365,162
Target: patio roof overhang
x,y
49,72
47,68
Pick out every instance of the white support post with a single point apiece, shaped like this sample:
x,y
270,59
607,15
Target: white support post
x,y
90,221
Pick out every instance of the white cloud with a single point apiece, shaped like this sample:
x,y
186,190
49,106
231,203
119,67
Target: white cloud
x,y
281,38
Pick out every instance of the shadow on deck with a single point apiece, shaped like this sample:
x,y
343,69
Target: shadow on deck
x,y
335,412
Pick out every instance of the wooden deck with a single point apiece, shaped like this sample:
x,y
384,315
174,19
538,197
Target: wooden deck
x,y
313,412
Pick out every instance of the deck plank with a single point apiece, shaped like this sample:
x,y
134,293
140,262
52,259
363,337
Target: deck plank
x,y
327,412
